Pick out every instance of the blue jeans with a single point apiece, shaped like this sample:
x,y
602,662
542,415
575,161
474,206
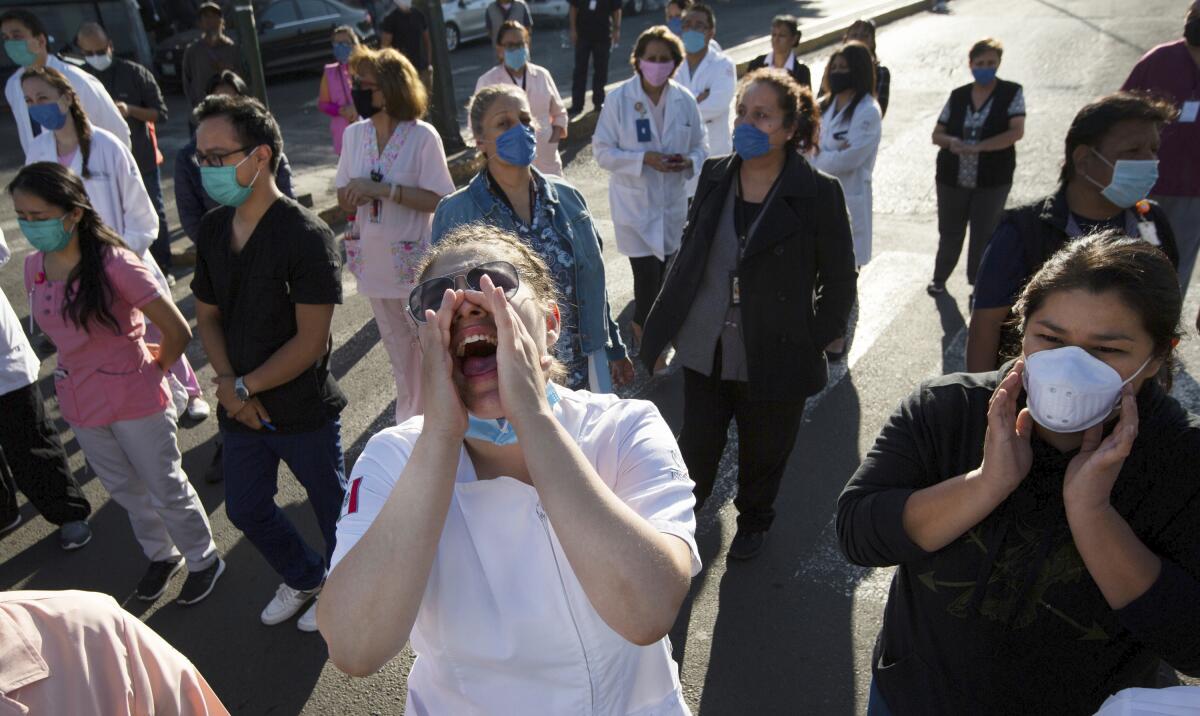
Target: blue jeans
x,y
251,463
161,248
875,703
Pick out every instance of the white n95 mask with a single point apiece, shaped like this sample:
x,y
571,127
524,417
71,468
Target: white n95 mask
x,y
1068,390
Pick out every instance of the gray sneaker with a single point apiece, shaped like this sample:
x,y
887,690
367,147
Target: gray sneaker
x,y
73,535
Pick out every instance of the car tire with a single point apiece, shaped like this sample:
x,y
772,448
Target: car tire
x,y
452,37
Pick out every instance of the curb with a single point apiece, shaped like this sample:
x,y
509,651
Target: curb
x,y
823,33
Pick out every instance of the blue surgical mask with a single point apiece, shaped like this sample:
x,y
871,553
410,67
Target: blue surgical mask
x,y
983,75
675,25
499,431
46,235
517,146
750,142
1132,180
694,41
341,51
18,51
48,115
221,183
516,59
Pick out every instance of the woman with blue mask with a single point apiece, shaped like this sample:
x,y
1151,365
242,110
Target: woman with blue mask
x,y
1044,517
765,234
976,134
551,217
531,575
334,98
514,68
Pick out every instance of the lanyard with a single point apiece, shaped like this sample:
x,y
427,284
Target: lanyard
x,y
739,219
524,77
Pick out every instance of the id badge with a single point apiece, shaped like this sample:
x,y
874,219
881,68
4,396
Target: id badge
x,y
735,289
1149,232
1189,111
375,215
643,129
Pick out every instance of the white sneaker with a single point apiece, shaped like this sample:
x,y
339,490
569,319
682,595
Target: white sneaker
x,y
179,396
308,622
197,409
286,603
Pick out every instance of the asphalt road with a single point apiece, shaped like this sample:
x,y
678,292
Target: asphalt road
x,y
790,632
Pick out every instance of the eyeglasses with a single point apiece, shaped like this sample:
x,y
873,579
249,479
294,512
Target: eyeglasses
x,y
427,296
217,159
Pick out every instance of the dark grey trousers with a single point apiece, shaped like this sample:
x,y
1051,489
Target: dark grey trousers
x,y
957,207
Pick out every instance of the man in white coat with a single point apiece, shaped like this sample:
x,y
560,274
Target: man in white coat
x,y
28,45
711,77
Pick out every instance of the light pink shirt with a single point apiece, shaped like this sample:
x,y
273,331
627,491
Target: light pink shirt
x,y
546,105
79,653
385,257
105,375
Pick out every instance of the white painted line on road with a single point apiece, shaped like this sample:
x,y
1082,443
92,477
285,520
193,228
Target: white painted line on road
x,y
884,286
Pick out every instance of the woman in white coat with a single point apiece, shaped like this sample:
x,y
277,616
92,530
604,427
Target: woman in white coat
x,y
533,542
711,77
549,113
114,186
850,130
650,135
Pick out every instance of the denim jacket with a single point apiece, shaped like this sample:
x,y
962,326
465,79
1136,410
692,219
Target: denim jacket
x,y
475,203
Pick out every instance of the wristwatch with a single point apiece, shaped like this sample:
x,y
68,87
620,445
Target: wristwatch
x,y
240,390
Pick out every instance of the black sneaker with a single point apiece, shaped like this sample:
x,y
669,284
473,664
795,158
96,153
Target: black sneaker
x,y
936,288
747,545
154,583
200,584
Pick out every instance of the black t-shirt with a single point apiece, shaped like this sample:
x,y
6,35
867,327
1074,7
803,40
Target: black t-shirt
x,y
407,28
593,18
135,85
290,259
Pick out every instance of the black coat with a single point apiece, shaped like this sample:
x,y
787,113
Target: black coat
x,y
799,71
797,277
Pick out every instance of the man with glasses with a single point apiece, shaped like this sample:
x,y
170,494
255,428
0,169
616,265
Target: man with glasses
x,y
712,79
268,275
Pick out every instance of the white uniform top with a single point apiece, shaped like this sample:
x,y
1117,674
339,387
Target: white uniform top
x,y
717,75
848,151
546,104
504,626
648,206
99,106
18,363
115,189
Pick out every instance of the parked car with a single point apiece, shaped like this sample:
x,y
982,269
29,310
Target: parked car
x,y
636,7
549,12
465,21
122,19
292,35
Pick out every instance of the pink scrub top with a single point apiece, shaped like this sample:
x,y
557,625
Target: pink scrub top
x,y
337,79
102,376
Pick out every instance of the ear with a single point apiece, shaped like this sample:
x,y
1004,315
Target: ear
x,y
263,153
1079,157
553,325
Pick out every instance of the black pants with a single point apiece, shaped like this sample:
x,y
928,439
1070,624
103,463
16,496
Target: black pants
x,y
37,460
598,51
958,207
648,273
766,434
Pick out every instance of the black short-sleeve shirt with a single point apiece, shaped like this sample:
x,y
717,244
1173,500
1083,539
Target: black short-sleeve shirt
x,y
407,28
291,258
593,18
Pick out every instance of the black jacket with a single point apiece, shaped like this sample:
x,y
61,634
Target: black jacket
x,y
799,71
797,277
995,168
1007,619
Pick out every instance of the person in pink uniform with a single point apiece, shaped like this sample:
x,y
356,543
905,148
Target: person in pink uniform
x,y
549,114
88,292
334,98
80,653
391,192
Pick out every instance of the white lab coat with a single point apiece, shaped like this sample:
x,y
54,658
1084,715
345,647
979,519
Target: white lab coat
x,y
848,151
717,74
648,206
116,191
504,625
99,106
18,363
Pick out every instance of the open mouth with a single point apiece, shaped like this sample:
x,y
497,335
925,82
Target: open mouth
x,y
476,353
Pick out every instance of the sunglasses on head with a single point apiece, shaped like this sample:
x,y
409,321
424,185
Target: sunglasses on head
x,y
427,296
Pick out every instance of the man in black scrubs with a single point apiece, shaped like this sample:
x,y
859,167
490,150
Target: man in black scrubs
x,y
595,30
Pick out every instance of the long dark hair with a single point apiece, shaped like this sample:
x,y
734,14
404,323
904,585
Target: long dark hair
x,y
862,75
88,296
83,128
